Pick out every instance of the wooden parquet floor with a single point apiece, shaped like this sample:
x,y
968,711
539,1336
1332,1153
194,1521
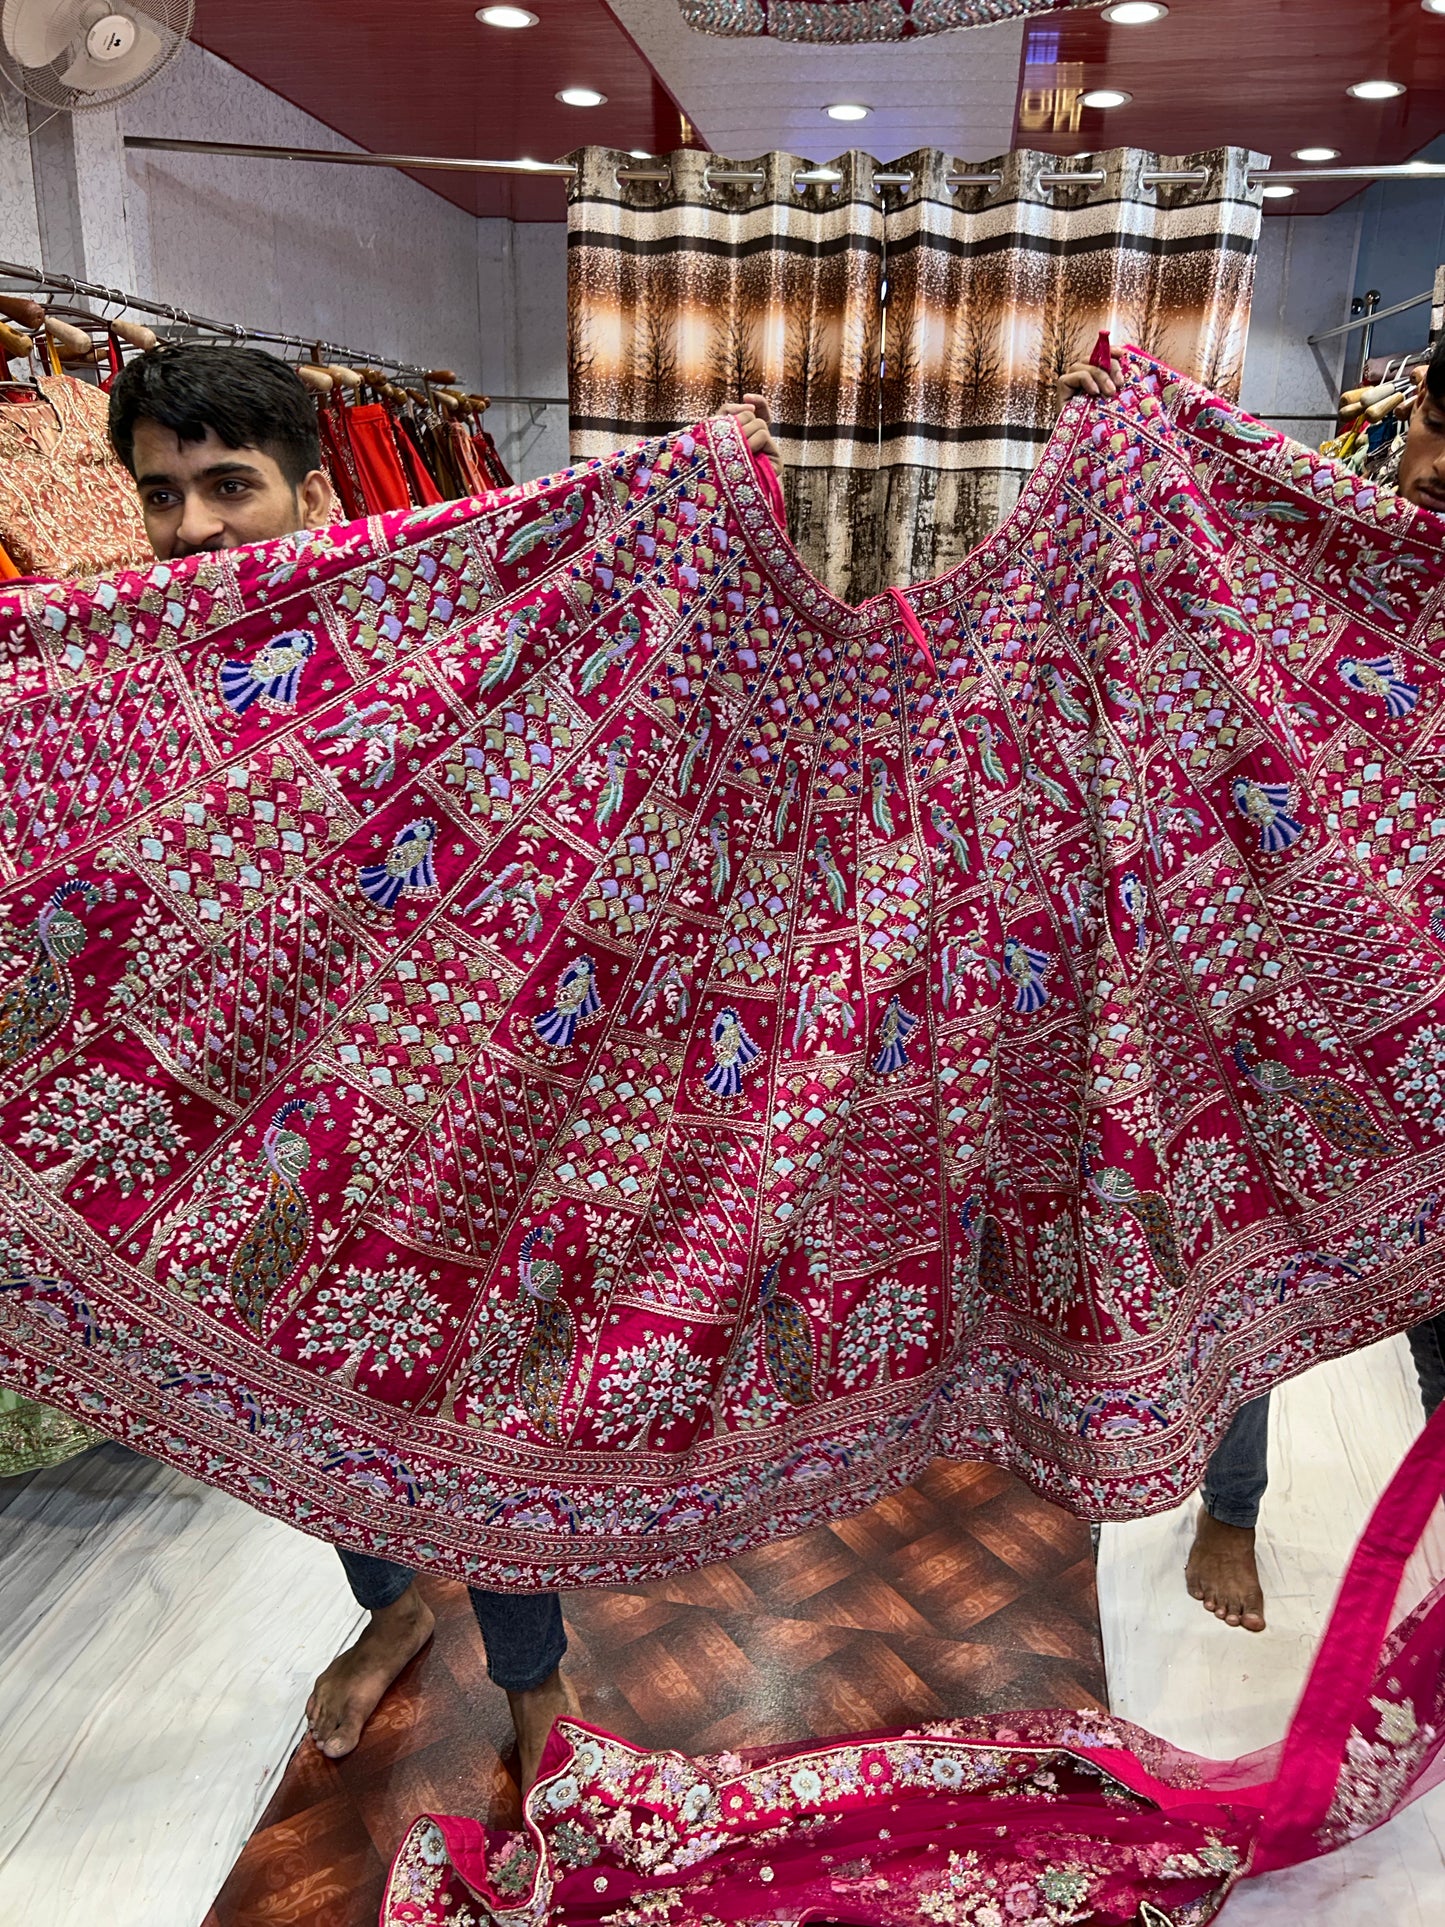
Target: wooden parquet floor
x,y
962,1594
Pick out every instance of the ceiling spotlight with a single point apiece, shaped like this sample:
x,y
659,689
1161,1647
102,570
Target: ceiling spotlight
x,y
1376,89
1276,190
582,97
1105,97
1135,13
506,17
1320,153
1433,6
848,110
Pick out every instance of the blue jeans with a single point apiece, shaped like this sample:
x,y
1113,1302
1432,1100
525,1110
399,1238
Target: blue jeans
x,y
1237,1474
522,1631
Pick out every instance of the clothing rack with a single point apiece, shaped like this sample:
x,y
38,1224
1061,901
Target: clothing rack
x,y
563,170
49,282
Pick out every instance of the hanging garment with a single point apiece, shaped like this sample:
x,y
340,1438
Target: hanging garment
x,y
493,467
67,507
569,1052
464,454
835,22
377,460
336,453
902,454
8,570
424,491
1038,1819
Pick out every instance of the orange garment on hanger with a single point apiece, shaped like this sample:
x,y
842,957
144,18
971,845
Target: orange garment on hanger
x,y
373,446
67,506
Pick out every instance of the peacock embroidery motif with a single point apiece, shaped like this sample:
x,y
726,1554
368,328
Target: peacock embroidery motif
x,y
274,1245
576,1002
897,1027
272,677
40,1003
1150,1211
734,1052
787,1339
546,1359
409,868
1342,1119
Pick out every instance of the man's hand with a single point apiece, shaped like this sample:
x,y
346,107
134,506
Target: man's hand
x,y
1086,379
755,419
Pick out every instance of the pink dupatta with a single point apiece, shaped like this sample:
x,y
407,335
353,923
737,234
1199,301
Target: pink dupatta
x,y
1015,1820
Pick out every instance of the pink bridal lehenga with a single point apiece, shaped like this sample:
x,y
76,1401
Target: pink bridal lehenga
x,y
536,1042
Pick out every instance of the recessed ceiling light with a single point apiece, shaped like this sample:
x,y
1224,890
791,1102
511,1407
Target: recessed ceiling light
x,y
1321,153
848,110
582,97
506,17
1105,97
1433,6
1276,190
1376,89
1135,13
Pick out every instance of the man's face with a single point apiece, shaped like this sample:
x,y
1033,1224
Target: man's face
x,y
1421,477
199,496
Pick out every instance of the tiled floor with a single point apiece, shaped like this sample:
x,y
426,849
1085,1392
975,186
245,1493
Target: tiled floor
x,y
961,1594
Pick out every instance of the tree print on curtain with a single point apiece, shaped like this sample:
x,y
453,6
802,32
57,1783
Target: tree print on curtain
x,y
906,429
668,1106
994,292
847,22
686,293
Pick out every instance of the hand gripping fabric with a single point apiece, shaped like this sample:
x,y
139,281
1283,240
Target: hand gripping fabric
x,y
536,1042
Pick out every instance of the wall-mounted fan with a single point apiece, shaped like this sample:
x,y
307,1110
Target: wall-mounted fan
x,y
74,54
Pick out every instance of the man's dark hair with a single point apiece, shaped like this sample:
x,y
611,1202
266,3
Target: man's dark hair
x,y
1435,373
249,398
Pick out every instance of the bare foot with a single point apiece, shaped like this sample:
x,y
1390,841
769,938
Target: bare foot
x,y
533,1714
1221,1573
347,1693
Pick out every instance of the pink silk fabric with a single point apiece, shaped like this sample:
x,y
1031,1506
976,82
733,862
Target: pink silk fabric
x,y
1017,1820
537,1043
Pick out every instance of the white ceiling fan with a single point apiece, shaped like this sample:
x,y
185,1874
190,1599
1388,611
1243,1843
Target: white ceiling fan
x,y
75,54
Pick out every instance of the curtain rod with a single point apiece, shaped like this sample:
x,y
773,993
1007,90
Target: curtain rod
x,y
562,170
46,279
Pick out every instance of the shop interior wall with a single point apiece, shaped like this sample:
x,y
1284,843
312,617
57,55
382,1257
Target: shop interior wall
x,y
1402,242
364,257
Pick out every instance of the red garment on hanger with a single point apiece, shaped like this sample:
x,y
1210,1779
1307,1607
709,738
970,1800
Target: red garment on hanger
x,y
424,491
340,462
491,461
373,446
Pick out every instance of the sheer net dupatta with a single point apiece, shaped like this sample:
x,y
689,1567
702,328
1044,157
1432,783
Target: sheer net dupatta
x,y
1038,1819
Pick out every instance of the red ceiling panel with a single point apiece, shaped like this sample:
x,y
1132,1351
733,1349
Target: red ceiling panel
x,y
423,76
426,77
1266,74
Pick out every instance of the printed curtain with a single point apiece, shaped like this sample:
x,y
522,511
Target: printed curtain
x,y
536,1042
907,339
835,22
